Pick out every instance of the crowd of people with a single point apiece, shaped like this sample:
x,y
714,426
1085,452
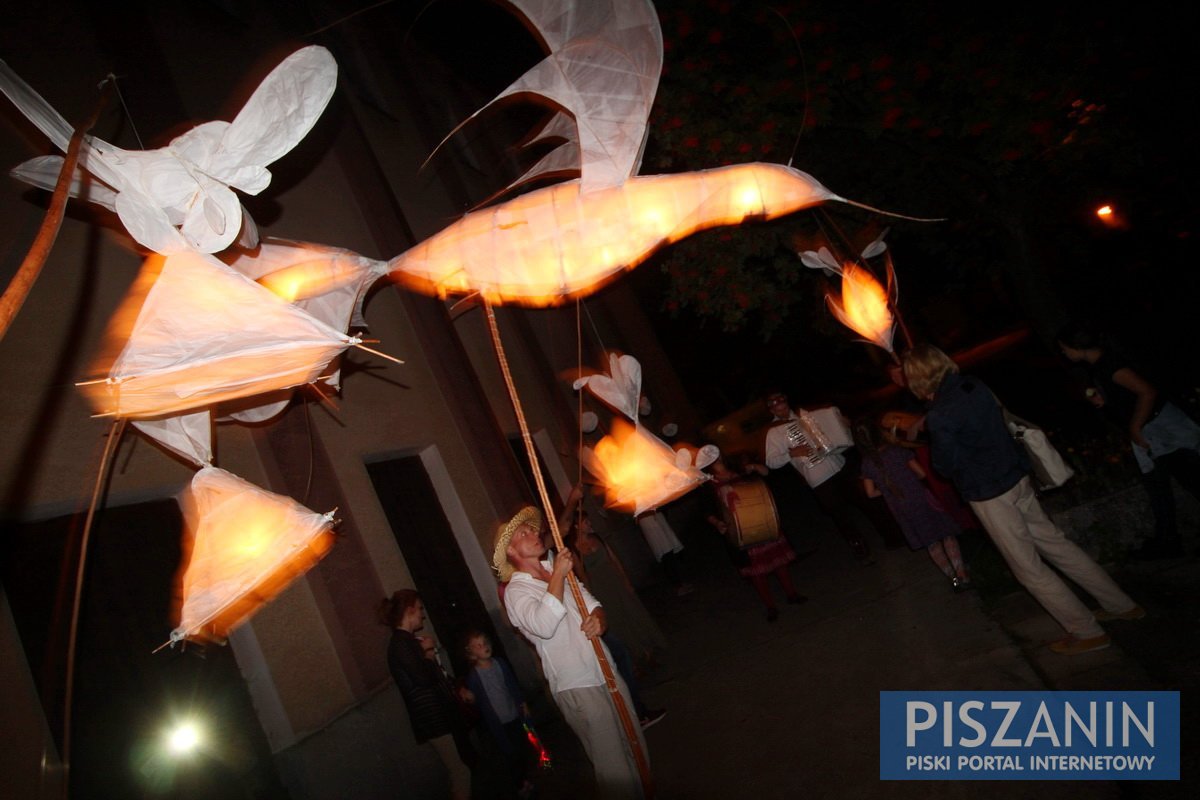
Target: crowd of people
x,y
943,464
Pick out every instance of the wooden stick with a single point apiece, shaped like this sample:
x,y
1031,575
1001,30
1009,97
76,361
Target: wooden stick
x,y
31,267
377,353
610,680
110,449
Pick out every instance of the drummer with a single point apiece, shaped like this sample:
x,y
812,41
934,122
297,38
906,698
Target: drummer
x,y
757,561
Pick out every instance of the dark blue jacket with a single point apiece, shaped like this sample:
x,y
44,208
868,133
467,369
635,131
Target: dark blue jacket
x,y
490,718
969,441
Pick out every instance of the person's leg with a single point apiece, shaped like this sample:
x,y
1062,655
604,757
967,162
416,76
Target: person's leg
x,y
763,589
1157,484
460,774
591,714
1071,560
784,576
850,522
954,553
624,662
938,554
1006,526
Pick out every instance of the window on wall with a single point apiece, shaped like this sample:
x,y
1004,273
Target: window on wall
x,y
125,694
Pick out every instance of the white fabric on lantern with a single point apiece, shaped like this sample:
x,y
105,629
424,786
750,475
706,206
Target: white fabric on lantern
x,y
186,435
243,546
193,332
180,197
640,472
621,388
553,243
601,77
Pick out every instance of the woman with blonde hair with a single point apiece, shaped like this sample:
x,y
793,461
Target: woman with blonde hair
x,y
972,447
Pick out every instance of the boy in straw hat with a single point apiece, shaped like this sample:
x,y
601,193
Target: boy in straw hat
x,y
534,600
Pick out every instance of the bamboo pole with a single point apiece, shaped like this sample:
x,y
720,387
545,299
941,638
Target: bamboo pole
x,y
610,680
31,267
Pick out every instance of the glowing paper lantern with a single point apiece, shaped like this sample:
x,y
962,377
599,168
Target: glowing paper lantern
x,y
549,244
864,307
243,545
193,333
640,472
180,197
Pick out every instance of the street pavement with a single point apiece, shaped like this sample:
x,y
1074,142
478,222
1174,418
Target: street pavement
x,y
791,708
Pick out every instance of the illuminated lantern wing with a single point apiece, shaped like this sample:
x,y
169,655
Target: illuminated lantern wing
x,y
621,388
327,282
864,307
194,333
545,246
243,545
603,69
639,471
180,197
185,435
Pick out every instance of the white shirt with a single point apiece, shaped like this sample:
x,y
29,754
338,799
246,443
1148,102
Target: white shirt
x,y
777,455
568,659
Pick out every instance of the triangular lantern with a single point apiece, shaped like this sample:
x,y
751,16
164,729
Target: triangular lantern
x,y
243,545
194,332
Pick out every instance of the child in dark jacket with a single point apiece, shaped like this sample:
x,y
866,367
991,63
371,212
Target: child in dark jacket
x,y
497,696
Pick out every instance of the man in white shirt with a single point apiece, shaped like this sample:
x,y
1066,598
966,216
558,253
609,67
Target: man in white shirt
x,y
829,482
534,600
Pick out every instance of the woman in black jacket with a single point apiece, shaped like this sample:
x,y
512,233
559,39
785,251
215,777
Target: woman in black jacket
x,y
432,709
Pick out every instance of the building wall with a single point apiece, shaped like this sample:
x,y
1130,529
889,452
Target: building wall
x,y
329,713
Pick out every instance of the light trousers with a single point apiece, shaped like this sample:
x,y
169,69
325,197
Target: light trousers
x,y
591,714
460,773
1027,539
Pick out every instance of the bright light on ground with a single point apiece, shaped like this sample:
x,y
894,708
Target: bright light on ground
x,y
183,739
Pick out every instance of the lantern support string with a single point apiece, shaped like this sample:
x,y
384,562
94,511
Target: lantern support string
x,y
116,87
579,409
595,330
311,455
610,681
110,448
31,267
803,74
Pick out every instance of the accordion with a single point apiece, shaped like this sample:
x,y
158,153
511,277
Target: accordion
x,y
822,431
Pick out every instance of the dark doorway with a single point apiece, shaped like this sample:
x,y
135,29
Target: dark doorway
x,y
127,696
431,553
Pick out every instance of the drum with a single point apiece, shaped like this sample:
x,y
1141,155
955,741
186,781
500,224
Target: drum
x,y
750,516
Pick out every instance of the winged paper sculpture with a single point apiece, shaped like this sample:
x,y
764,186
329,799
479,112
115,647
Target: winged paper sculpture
x,y
621,389
600,77
640,472
864,306
180,197
193,333
243,545
564,240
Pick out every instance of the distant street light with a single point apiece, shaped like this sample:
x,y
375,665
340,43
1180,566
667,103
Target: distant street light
x,y
183,739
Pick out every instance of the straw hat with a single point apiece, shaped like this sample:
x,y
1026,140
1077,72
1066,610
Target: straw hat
x,y
526,516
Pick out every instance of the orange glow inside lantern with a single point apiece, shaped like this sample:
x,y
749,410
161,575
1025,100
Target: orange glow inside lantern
x,y
545,246
864,306
243,546
639,471
1104,211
